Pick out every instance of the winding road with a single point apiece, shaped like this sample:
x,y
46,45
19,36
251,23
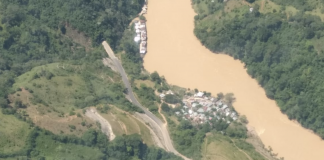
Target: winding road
x,y
163,128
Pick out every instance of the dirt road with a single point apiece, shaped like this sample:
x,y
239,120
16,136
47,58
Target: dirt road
x,y
105,125
157,123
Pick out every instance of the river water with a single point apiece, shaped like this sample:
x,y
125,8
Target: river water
x,y
175,52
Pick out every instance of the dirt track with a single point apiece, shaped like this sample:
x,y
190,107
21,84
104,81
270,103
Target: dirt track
x,y
105,125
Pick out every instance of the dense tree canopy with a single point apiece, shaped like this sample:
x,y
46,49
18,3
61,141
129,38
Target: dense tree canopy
x,y
126,147
283,53
32,32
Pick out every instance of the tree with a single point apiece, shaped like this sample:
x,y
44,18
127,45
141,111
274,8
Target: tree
x,y
229,98
142,17
3,102
243,119
156,77
170,98
165,107
220,95
89,137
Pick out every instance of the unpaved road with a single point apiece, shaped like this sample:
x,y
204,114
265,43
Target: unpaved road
x,y
105,125
157,122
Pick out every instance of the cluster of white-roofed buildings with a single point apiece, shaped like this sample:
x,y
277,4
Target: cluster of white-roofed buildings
x,y
141,35
201,109
140,29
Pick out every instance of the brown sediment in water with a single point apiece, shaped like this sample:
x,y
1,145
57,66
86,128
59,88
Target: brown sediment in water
x,y
175,52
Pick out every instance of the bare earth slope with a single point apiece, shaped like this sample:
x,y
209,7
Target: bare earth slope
x,y
175,52
105,126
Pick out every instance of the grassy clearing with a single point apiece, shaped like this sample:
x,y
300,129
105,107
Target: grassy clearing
x,y
146,82
53,94
217,146
59,125
64,88
220,147
318,45
268,6
13,133
50,119
317,12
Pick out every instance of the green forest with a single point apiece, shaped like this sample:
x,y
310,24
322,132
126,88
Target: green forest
x,y
283,51
42,144
32,32
51,50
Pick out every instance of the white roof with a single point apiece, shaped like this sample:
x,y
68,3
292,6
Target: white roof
x,y
200,94
136,39
200,110
162,95
169,92
143,51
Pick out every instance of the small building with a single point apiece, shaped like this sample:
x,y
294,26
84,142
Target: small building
x,y
143,51
177,113
200,110
219,103
137,39
200,94
251,9
169,92
185,107
162,95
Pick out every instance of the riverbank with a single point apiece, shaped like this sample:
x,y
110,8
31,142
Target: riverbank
x,y
185,62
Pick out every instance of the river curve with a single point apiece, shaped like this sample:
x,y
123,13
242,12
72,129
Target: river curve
x,y
175,52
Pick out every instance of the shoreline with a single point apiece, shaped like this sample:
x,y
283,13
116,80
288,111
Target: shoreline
x,y
185,62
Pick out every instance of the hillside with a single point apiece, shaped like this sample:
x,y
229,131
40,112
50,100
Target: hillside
x,y
280,44
51,70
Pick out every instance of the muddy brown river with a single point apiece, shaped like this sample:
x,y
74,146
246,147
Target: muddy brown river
x,y
175,52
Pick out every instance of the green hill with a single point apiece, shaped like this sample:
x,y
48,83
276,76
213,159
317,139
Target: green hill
x,y
280,43
51,69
